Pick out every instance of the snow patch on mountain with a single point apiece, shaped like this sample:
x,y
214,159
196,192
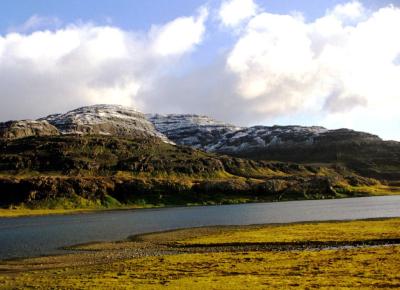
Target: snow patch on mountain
x,y
113,120
266,136
211,135
200,132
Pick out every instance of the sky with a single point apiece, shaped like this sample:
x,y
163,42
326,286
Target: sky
x,y
330,63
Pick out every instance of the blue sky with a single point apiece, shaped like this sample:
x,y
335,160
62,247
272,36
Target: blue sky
x,y
139,14
126,14
334,67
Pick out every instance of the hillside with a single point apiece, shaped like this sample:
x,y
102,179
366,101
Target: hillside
x,y
364,153
110,156
80,171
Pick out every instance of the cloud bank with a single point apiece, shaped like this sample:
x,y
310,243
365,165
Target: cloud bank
x,y
341,69
331,66
53,71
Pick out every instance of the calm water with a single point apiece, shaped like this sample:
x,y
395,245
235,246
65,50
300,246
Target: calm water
x,y
33,236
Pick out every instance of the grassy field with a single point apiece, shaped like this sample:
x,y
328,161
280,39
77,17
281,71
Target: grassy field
x,y
321,232
204,258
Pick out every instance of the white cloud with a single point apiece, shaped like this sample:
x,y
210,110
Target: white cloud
x,y
51,71
233,12
348,11
264,57
285,64
341,70
180,35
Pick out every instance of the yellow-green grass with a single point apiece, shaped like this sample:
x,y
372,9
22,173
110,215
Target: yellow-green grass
x,y
24,211
365,268
322,232
33,212
342,268
375,190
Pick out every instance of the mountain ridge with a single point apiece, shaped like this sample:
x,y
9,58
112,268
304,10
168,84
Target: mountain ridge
x,y
364,153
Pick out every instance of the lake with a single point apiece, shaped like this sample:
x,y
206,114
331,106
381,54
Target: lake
x,y
43,235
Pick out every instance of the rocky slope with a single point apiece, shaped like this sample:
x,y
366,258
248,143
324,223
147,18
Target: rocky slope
x,y
111,155
71,171
365,153
26,128
210,135
196,131
113,120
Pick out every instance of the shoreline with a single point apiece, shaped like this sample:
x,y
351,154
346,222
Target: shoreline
x,y
75,249
26,212
196,256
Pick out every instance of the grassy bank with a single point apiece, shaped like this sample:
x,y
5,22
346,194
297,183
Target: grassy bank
x,y
347,255
23,211
65,206
18,212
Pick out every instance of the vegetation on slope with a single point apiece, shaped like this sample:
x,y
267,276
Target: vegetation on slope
x,y
371,158
108,172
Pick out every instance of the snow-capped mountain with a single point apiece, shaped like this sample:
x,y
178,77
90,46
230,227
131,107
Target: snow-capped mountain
x,y
364,153
105,120
200,132
208,134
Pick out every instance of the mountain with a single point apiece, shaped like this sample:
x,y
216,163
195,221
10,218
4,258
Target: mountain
x,y
112,120
365,153
108,155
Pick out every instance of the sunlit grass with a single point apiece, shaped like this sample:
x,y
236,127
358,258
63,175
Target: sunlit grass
x,y
345,268
352,268
16,212
24,211
324,231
